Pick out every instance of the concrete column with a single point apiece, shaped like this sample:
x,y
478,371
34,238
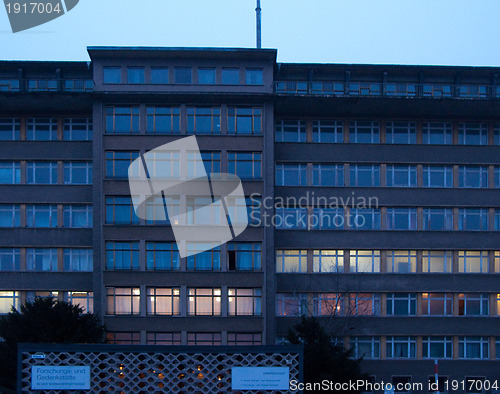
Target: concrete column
x,y
60,129
143,301
382,132
419,132
224,302
22,131
346,130
142,255
183,300
309,130
223,120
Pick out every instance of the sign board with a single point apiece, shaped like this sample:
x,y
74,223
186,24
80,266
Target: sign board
x,y
60,378
260,378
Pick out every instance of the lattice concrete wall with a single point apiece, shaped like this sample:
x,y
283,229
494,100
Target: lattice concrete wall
x,y
191,371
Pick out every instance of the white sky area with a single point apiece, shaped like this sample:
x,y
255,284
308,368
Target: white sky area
x,y
443,32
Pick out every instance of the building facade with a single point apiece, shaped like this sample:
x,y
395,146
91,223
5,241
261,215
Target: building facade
x,y
373,195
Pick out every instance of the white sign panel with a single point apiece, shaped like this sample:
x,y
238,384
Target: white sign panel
x,y
60,378
260,378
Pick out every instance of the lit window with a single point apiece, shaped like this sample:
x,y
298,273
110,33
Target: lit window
x,y
328,261
364,261
365,304
244,302
123,300
327,304
291,304
473,262
437,304
437,261
83,299
401,261
9,299
291,261
163,301
204,302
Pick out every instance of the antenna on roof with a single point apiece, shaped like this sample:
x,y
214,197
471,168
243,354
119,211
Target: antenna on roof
x,y
258,11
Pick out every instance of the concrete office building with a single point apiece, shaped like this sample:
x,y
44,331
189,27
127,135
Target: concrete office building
x,y
390,177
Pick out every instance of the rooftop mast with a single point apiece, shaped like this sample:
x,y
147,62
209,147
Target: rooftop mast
x,y
258,10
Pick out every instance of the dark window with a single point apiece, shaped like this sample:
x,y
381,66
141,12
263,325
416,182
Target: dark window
x,y
122,255
41,129
122,120
230,76
117,163
135,75
77,129
244,256
183,75
290,131
247,165
242,120
163,120
159,75
10,129
162,256
253,76
120,210
206,76
203,120
112,75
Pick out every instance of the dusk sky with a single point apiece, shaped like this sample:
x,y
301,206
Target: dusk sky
x,y
447,32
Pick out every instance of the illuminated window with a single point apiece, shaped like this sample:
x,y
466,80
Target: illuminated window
x,y
83,299
437,304
244,302
401,261
123,300
291,304
437,261
328,304
328,261
365,304
291,261
473,262
204,302
9,299
163,301
364,261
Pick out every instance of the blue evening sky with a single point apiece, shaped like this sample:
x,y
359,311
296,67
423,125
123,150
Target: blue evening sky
x,y
447,32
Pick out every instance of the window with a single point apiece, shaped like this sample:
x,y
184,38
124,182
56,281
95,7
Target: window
x,y
122,120
78,260
437,347
124,338
163,338
327,304
327,219
291,174
10,173
253,207
473,304
401,133
163,164
291,218
31,295
204,302
437,133
123,300
41,260
291,304
77,216
365,175
183,75
83,299
328,131
401,304
401,176
473,177
159,75
163,301
244,120
366,347
247,165
437,219
401,347
497,219
10,129
77,129
40,173
401,261
437,261
244,256
201,164
365,304
364,261
112,75
473,219
473,262
497,176
9,299
135,75
204,211
10,216
118,162
290,131
328,261
244,302
473,347
230,76
254,76
288,261
162,120
41,129
10,259
364,219
203,120
206,76
438,176
122,255
401,218
77,173
328,175
473,134
162,256
203,256
156,213
244,338
120,210
41,215
363,132
437,304
204,338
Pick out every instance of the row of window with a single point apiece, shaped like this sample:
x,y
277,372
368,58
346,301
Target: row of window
x,y
433,219
386,261
199,301
46,259
362,175
46,129
247,165
9,299
396,132
122,255
183,75
199,120
192,338
386,304
45,173
43,215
